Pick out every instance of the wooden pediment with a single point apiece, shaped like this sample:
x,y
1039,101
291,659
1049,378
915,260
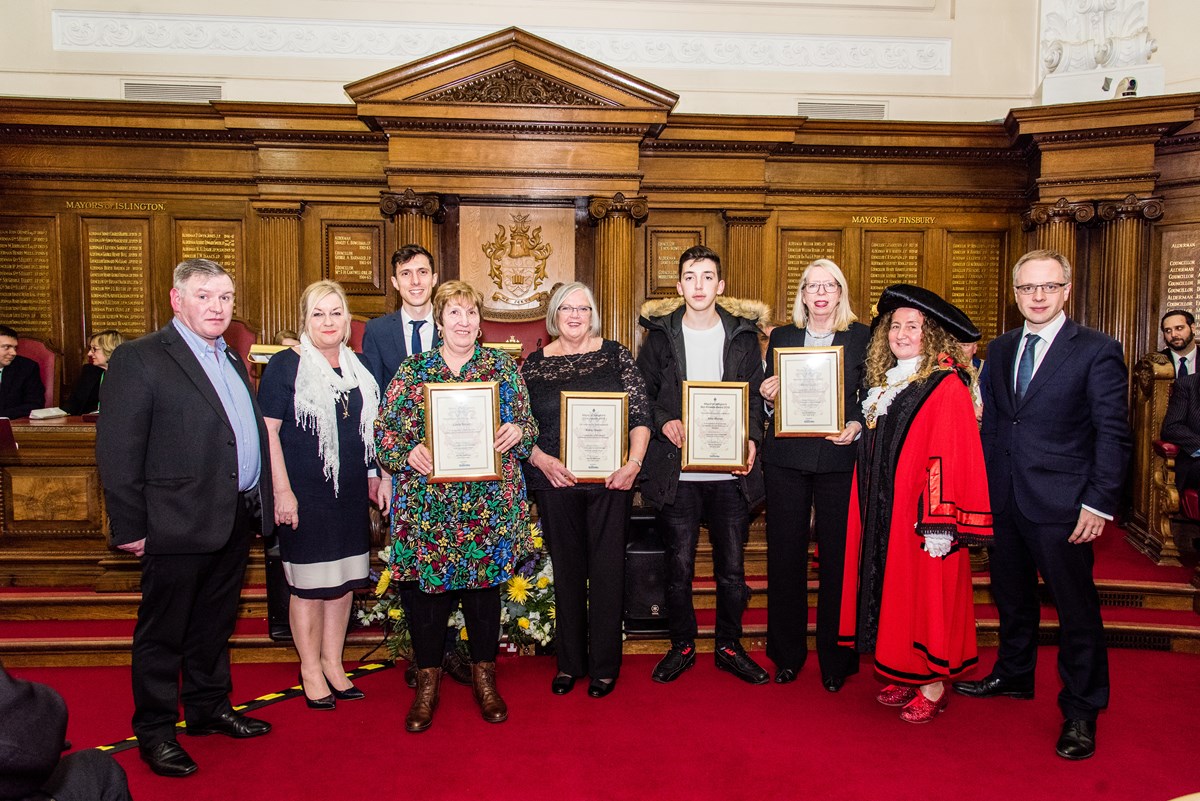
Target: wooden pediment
x,y
497,76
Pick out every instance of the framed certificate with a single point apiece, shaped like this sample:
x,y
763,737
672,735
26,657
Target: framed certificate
x,y
716,418
460,431
810,397
594,431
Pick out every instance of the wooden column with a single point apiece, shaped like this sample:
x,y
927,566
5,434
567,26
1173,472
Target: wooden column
x,y
1056,226
1125,240
279,266
615,219
743,265
415,216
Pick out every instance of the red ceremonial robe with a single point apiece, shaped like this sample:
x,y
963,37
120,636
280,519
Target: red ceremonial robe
x,y
922,470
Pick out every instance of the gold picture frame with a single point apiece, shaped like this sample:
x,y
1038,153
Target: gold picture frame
x,y
716,424
460,431
811,399
593,433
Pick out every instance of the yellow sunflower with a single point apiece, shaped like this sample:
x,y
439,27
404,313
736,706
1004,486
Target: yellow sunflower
x,y
518,589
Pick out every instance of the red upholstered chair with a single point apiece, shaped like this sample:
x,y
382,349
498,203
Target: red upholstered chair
x,y
240,336
49,362
358,326
532,334
1189,500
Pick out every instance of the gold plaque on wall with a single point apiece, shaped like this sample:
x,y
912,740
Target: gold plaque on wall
x,y
664,246
354,256
515,256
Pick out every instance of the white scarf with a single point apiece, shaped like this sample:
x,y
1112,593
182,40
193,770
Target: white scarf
x,y
878,399
319,391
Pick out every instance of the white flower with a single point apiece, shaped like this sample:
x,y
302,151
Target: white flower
x,y
534,617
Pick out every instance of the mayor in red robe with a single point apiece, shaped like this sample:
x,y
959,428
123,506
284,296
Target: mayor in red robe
x,y
919,497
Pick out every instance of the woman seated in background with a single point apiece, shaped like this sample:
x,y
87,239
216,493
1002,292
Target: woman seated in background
x,y
584,525
459,540
85,398
920,496
320,403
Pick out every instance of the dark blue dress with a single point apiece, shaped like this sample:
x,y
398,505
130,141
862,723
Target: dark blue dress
x,y
328,553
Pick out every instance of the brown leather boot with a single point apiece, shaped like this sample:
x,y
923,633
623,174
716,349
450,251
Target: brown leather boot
x,y
420,714
483,681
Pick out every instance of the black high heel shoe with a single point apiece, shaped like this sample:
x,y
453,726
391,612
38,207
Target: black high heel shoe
x,y
352,694
326,704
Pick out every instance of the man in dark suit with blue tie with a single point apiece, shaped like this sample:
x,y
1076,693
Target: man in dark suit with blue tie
x,y
1056,439
389,340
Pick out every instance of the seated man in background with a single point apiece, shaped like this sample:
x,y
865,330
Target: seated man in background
x,y
1181,341
21,388
1181,427
33,728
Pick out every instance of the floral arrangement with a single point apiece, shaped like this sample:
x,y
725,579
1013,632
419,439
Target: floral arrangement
x,y
526,607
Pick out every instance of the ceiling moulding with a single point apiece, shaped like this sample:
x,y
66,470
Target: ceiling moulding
x,y
212,35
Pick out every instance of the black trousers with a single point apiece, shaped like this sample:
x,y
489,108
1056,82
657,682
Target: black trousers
x,y
1022,550
721,505
585,529
186,617
791,495
431,611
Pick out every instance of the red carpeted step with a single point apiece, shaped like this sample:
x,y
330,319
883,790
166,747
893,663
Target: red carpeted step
x,y
1114,614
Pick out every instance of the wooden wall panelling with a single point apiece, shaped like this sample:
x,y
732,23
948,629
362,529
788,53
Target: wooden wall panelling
x,y
746,270
616,262
279,265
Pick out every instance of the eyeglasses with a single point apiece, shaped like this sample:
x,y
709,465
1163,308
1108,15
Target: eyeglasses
x,y
828,287
574,309
1048,288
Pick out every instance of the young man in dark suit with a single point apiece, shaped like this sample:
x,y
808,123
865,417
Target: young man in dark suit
x,y
1179,334
182,452
21,388
1056,439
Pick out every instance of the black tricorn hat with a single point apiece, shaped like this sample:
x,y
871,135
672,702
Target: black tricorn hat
x,y
931,304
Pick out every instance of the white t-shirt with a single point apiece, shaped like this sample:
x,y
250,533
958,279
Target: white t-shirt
x,y
704,352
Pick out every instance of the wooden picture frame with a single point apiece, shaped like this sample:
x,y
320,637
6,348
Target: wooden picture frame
x,y
716,424
811,399
593,433
460,431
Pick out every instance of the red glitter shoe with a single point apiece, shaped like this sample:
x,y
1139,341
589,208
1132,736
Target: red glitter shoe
x,y
921,710
896,695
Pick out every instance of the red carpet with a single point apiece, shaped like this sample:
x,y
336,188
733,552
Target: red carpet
x,y
707,736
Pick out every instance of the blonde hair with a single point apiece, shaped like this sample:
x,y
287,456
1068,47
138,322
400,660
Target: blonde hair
x,y
935,343
106,341
843,315
556,300
1038,255
451,291
316,292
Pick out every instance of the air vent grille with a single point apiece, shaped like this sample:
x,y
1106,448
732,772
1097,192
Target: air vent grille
x,y
842,111
177,92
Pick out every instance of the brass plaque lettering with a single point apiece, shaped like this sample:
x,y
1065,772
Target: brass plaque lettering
x,y
892,258
1180,270
27,251
664,246
115,254
975,263
354,256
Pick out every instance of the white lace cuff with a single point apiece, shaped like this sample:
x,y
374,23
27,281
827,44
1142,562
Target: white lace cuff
x,y
937,543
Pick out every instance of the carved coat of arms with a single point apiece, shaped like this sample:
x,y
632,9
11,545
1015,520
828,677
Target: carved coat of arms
x,y
517,264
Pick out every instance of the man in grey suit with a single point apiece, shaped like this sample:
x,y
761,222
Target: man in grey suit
x,y
182,452
1056,441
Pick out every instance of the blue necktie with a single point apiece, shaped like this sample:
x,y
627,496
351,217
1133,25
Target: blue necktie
x,y
1182,367
415,345
1025,368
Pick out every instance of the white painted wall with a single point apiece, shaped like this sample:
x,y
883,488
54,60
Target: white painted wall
x,y
926,59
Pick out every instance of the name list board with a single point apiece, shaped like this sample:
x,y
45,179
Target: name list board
x,y
115,254
893,257
26,253
664,246
802,248
215,240
975,263
1181,282
354,255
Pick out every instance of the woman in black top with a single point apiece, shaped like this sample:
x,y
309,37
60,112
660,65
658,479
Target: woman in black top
x,y
85,398
801,471
585,525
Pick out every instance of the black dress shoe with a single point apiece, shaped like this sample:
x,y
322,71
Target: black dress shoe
x,y
410,674
168,759
1078,739
562,684
785,675
832,683
598,688
350,694
992,685
681,657
326,704
457,668
733,659
231,724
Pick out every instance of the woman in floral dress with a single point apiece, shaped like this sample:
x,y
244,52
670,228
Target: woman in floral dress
x,y
458,540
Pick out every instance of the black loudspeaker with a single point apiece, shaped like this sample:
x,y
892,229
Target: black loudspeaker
x,y
645,577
